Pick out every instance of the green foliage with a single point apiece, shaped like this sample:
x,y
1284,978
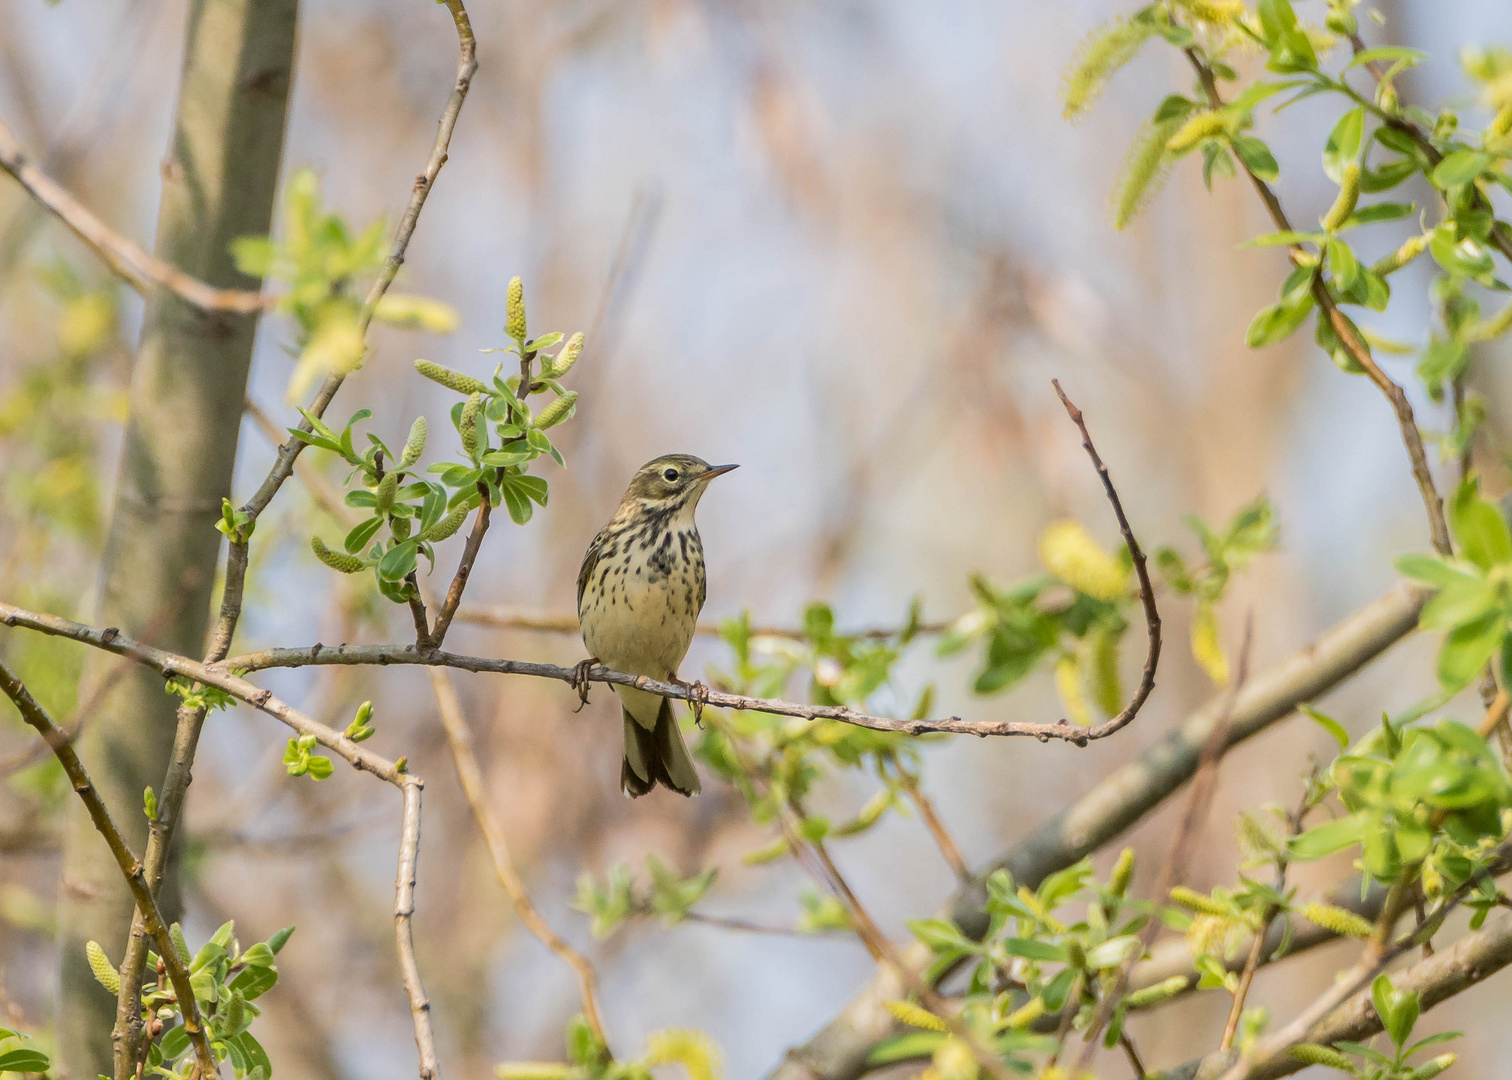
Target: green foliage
x,y
360,728
1473,604
226,980
589,1058
408,513
300,759
322,263
195,695
665,894
16,1057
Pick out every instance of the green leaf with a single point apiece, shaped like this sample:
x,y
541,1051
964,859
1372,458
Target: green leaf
x,y
24,1060
1468,648
320,767
1343,144
1479,527
1429,568
1343,264
1463,600
362,535
1257,158
1400,53
1284,239
1278,322
1328,724
1460,167
1327,838
398,561
1379,212
1033,949
914,1044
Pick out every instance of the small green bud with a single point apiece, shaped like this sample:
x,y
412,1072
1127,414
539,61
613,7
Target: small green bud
x,y
562,363
558,410
1349,195
1153,995
452,380
414,446
150,804
1341,21
401,528
1502,124
514,310
336,560
1446,125
387,487
1314,1054
1387,99
1076,956
1202,125
468,424
1341,922
446,527
1123,872
99,963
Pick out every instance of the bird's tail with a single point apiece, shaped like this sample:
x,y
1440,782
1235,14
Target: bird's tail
x,y
656,756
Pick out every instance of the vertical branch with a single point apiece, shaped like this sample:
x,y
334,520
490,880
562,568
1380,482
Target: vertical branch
x,y
932,821
131,869
470,776
404,913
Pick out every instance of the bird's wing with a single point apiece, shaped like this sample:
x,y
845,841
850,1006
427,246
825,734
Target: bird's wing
x,y
590,560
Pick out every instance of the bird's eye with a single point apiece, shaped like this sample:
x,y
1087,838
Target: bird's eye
x,y
669,475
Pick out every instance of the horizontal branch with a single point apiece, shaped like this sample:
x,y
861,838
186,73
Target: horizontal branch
x,y
129,262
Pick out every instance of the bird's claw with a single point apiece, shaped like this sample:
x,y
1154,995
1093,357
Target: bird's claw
x,y
698,697
579,680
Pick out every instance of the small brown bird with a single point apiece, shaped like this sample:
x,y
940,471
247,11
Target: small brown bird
x,y
640,590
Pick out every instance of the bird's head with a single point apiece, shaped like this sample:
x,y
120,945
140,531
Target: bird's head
x,y
672,480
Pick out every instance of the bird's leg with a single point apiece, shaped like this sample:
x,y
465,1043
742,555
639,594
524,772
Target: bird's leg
x,y
698,695
579,680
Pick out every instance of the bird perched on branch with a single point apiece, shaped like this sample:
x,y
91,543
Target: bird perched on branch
x,y
640,590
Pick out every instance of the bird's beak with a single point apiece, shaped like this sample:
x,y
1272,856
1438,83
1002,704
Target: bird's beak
x,y
717,470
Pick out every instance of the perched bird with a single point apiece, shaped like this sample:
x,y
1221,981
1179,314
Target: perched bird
x,y
640,590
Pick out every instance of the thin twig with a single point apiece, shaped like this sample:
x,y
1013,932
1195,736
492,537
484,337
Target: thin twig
x,y
321,490
470,551
1132,1054
1173,869
1358,350
131,869
126,260
932,821
470,776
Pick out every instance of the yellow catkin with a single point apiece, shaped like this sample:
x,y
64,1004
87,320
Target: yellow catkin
x,y
1070,553
1026,1013
1217,12
447,526
180,946
1193,900
1154,995
467,424
514,310
1101,54
562,363
1199,126
1069,685
1314,1054
558,410
1349,195
1144,170
452,380
1206,649
693,1050
1411,248
414,446
1342,922
99,963
1501,126
336,560
388,487
914,1015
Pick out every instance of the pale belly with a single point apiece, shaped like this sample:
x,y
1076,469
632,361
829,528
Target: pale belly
x,y
641,627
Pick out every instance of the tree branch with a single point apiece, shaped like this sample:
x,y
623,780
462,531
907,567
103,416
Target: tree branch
x,y
126,260
545,622
470,777
131,869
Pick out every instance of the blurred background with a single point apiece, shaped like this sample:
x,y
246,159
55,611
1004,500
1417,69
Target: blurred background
x,y
845,244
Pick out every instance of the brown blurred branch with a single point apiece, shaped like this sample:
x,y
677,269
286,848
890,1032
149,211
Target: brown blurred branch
x,y
470,777
126,260
545,622
62,747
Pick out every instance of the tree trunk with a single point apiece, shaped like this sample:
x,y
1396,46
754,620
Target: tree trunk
x,y
186,396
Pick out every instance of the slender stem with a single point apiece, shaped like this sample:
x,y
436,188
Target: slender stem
x,y
544,622
470,551
131,869
470,776
1132,1054
927,814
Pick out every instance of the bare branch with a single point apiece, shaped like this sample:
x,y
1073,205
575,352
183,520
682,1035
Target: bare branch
x,y
126,260
545,622
470,776
131,869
